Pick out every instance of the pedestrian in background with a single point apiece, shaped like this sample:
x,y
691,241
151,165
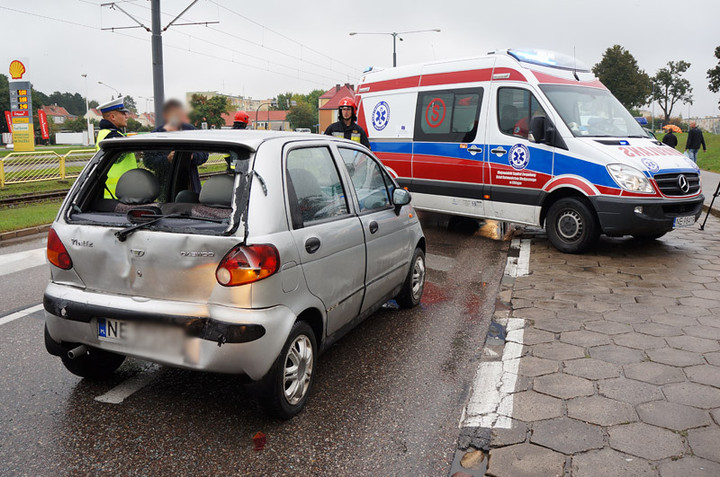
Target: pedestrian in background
x,y
695,139
175,119
670,139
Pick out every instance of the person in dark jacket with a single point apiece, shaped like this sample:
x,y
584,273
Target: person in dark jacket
x,y
695,139
175,119
346,126
670,139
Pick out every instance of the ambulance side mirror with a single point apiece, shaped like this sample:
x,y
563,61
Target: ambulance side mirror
x,y
538,130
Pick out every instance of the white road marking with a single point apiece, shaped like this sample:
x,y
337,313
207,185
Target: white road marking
x,y
20,314
127,388
519,266
18,261
491,401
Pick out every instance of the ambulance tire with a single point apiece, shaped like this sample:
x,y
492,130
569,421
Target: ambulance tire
x,y
571,225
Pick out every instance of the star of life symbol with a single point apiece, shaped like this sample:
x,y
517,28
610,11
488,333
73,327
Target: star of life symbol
x,y
651,165
519,156
380,115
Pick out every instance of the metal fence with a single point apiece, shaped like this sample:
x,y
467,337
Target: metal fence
x,y
23,167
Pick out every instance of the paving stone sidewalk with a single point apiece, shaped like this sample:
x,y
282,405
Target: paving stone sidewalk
x,y
620,372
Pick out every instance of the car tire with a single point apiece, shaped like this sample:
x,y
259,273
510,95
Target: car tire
x,y
275,390
571,225
412,290
97,364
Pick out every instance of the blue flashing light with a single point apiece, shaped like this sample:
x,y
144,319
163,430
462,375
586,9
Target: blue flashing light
x,y
550,59
641,120
368,69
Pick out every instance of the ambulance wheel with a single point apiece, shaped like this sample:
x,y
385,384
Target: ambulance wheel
x,y
571,226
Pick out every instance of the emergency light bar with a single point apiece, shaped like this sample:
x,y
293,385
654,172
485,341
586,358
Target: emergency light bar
x,y
551,59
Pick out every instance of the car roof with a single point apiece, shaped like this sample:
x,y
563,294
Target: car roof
x,y
249,139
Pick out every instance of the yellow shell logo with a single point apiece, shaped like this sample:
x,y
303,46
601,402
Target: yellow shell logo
x,y
17,69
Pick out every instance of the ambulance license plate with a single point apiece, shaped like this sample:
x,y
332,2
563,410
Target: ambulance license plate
x,y
686,221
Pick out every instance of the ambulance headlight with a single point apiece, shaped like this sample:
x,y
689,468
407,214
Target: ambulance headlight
x,y
630,179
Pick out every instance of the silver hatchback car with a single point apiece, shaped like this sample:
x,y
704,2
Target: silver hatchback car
x,y
290,242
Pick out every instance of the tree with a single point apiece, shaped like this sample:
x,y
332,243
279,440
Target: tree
x,y
129,103
4,102
302,116
671,87
713,75
619,71
74,103
133,125
282,102
93,104
208,110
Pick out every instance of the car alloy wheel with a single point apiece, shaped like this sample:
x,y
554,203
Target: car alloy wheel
x,y
298,369
418,277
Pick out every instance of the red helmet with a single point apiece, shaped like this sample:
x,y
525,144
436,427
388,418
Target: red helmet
x,y
242,117
347,101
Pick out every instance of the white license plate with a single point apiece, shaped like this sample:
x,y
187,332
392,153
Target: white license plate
x,y
140,335
686,221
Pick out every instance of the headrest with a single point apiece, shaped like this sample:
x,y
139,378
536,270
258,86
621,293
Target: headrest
x,y
187,197
218,191
137,186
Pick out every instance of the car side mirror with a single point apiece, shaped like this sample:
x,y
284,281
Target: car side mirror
x,y
400,197
537,130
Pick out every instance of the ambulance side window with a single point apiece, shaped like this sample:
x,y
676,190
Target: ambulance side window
x,y
448,115
515,108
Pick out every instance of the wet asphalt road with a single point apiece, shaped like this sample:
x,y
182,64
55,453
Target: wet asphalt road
x,y
387,398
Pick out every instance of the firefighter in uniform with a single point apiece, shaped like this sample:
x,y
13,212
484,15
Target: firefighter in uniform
x,y
115,118
241,120
346,126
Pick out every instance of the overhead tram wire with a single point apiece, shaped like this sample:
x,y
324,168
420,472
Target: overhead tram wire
x,y
189,50
282,35
354,70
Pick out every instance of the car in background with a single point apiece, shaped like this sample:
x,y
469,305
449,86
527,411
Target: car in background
x,y
289,246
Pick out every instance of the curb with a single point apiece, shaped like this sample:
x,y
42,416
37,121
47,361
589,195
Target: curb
x,y
23,235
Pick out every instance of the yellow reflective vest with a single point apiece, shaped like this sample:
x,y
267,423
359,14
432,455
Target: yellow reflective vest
x,y
121,166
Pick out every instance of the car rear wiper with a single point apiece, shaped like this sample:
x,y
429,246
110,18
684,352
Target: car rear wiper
x,y
122,235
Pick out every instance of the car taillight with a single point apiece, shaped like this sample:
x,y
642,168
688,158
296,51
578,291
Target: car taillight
x,y
248,264
56,252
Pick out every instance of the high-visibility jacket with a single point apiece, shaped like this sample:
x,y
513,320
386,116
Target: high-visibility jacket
x,y
125,163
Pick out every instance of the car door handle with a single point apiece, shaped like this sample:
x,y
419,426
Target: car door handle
x,y
373,227
312,244
474,149
499,151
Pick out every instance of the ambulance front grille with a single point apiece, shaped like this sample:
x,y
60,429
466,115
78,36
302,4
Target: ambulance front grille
x,y
669,184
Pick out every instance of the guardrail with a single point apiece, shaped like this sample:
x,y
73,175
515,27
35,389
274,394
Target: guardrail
x,y
23,167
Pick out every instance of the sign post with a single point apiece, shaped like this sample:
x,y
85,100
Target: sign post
x,y
21,108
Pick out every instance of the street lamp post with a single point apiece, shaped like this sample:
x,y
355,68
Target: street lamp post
x,y
396,36
87,111
108,86
269,103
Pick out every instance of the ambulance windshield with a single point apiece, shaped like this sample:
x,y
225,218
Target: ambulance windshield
x,y
592,112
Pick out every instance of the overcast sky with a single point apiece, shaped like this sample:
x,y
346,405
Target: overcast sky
x,y
242,56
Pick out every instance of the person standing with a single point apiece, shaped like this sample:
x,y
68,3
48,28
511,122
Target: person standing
x,y
115,119
346,126
670,139
175,119
695,139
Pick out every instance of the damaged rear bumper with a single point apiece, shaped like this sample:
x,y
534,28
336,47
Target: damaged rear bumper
x,y
217,338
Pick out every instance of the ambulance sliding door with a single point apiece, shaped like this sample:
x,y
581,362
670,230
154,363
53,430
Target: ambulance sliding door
x,y
518,169
448,150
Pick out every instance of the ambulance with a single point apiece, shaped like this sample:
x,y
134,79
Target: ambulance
x,y
529,137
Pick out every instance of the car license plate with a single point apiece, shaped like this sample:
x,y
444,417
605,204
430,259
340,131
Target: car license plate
x,y
141,335
686,221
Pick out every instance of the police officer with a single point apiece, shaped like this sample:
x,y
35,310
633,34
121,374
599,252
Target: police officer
x,y
241,120
115,117
346,126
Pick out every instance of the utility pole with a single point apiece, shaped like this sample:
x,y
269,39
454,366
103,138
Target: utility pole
x,y
157,60
396,36
156,31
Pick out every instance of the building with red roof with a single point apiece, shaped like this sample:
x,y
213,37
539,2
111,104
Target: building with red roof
x,y
328,103
57,114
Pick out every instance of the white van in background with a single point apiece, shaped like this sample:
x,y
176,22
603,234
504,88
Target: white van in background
x,y
530,137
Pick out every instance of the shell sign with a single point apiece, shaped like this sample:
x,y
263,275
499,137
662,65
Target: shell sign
x,y
17,69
